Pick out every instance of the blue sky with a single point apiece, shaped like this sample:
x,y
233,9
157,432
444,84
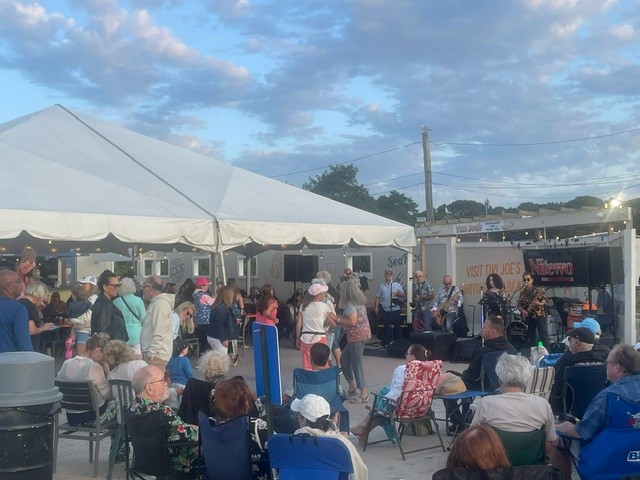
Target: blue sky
x,y
282,86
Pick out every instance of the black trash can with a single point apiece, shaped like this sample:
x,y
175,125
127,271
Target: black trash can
x,y
28,403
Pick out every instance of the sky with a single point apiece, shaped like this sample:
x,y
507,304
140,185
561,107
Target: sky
x,y
524,100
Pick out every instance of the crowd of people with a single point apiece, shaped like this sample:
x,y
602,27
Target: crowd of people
x,y
119,330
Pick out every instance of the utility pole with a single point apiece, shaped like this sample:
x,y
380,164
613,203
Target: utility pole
x,y
428,190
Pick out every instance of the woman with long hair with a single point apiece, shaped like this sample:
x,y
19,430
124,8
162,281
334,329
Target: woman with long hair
x,y
494,297
266,306
313,321
356,323
223,326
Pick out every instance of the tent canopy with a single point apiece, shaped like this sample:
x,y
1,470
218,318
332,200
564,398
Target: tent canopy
x,y
70,177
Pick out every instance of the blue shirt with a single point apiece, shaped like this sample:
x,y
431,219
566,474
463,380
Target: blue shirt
x,y
14,327
179,370
384,294
595,418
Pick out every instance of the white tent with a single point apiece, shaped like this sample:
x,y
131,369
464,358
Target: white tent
x,y
70,177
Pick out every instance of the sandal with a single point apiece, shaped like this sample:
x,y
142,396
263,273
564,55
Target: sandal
x,y
352,393
359,399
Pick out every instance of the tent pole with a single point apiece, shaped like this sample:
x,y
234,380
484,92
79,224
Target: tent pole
x,y
223,269
409,291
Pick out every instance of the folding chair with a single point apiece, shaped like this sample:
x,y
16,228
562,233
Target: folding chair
x,y
585,382
304,456
148,435
325,383
225,448
541,382
123,393
82,396
413,405
614,452
524,448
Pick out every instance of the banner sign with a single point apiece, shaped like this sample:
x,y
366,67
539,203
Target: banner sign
x,y
558,267
479,227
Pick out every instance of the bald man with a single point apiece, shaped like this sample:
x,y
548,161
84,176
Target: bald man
x,y
14,320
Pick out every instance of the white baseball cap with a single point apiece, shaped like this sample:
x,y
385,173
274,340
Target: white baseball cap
x,y
312,407
89,279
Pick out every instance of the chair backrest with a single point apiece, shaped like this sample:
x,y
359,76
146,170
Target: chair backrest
x,y
325,383
615,451
541,382
622,412
304,456
585,381
123,393
79,395
488,378
524,448
420,381
148,436
225,448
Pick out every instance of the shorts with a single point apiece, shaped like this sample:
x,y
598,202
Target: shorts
x,y
81,338
337,336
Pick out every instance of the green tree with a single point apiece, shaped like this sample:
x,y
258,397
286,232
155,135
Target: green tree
x,y
397,206
340,183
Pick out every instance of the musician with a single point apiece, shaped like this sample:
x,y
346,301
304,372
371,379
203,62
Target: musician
x,y
387,306
422,297
532,303
447,301
494,297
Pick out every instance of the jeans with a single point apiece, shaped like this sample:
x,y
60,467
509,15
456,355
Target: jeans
x,y
351,362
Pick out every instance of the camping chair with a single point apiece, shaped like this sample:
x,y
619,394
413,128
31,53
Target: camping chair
x,y
148,435
615,451
304,456
541,382
123,393
524,448
245,326
325,383
413,405
82,396
585,382
225,448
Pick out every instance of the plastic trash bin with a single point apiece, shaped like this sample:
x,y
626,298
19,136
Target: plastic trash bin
x,y
28,402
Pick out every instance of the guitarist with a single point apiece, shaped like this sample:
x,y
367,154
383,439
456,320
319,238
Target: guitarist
x,y
422,296
448,299
532,303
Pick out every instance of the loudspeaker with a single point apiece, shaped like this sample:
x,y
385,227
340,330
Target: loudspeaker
x,y
464,349
300,268
605,266
438,343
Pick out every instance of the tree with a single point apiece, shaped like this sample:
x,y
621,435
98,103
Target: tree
x,y
397,206
340,183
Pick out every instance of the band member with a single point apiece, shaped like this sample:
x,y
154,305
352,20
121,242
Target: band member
x,y
448,299
388,307
494,297
531,303
422,296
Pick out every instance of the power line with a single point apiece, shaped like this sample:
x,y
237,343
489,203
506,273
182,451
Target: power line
x,y
357,159
532,144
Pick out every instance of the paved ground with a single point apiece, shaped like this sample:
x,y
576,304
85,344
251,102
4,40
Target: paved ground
x,y
383,460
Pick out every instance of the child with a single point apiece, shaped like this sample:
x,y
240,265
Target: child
x,y
179,367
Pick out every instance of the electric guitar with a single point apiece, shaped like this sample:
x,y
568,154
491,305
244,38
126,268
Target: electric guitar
x,y
443,308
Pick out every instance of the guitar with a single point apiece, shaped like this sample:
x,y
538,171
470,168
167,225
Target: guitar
x,y
443,308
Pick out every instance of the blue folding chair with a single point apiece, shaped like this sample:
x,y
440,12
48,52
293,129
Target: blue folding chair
x,y
304,456
488,378
225,448
325,383
614,452
585,382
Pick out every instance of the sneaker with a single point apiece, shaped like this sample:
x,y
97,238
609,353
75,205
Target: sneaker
x,y
359,399
234,360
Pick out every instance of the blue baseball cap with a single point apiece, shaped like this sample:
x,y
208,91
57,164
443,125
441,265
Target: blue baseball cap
x,y
590,323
